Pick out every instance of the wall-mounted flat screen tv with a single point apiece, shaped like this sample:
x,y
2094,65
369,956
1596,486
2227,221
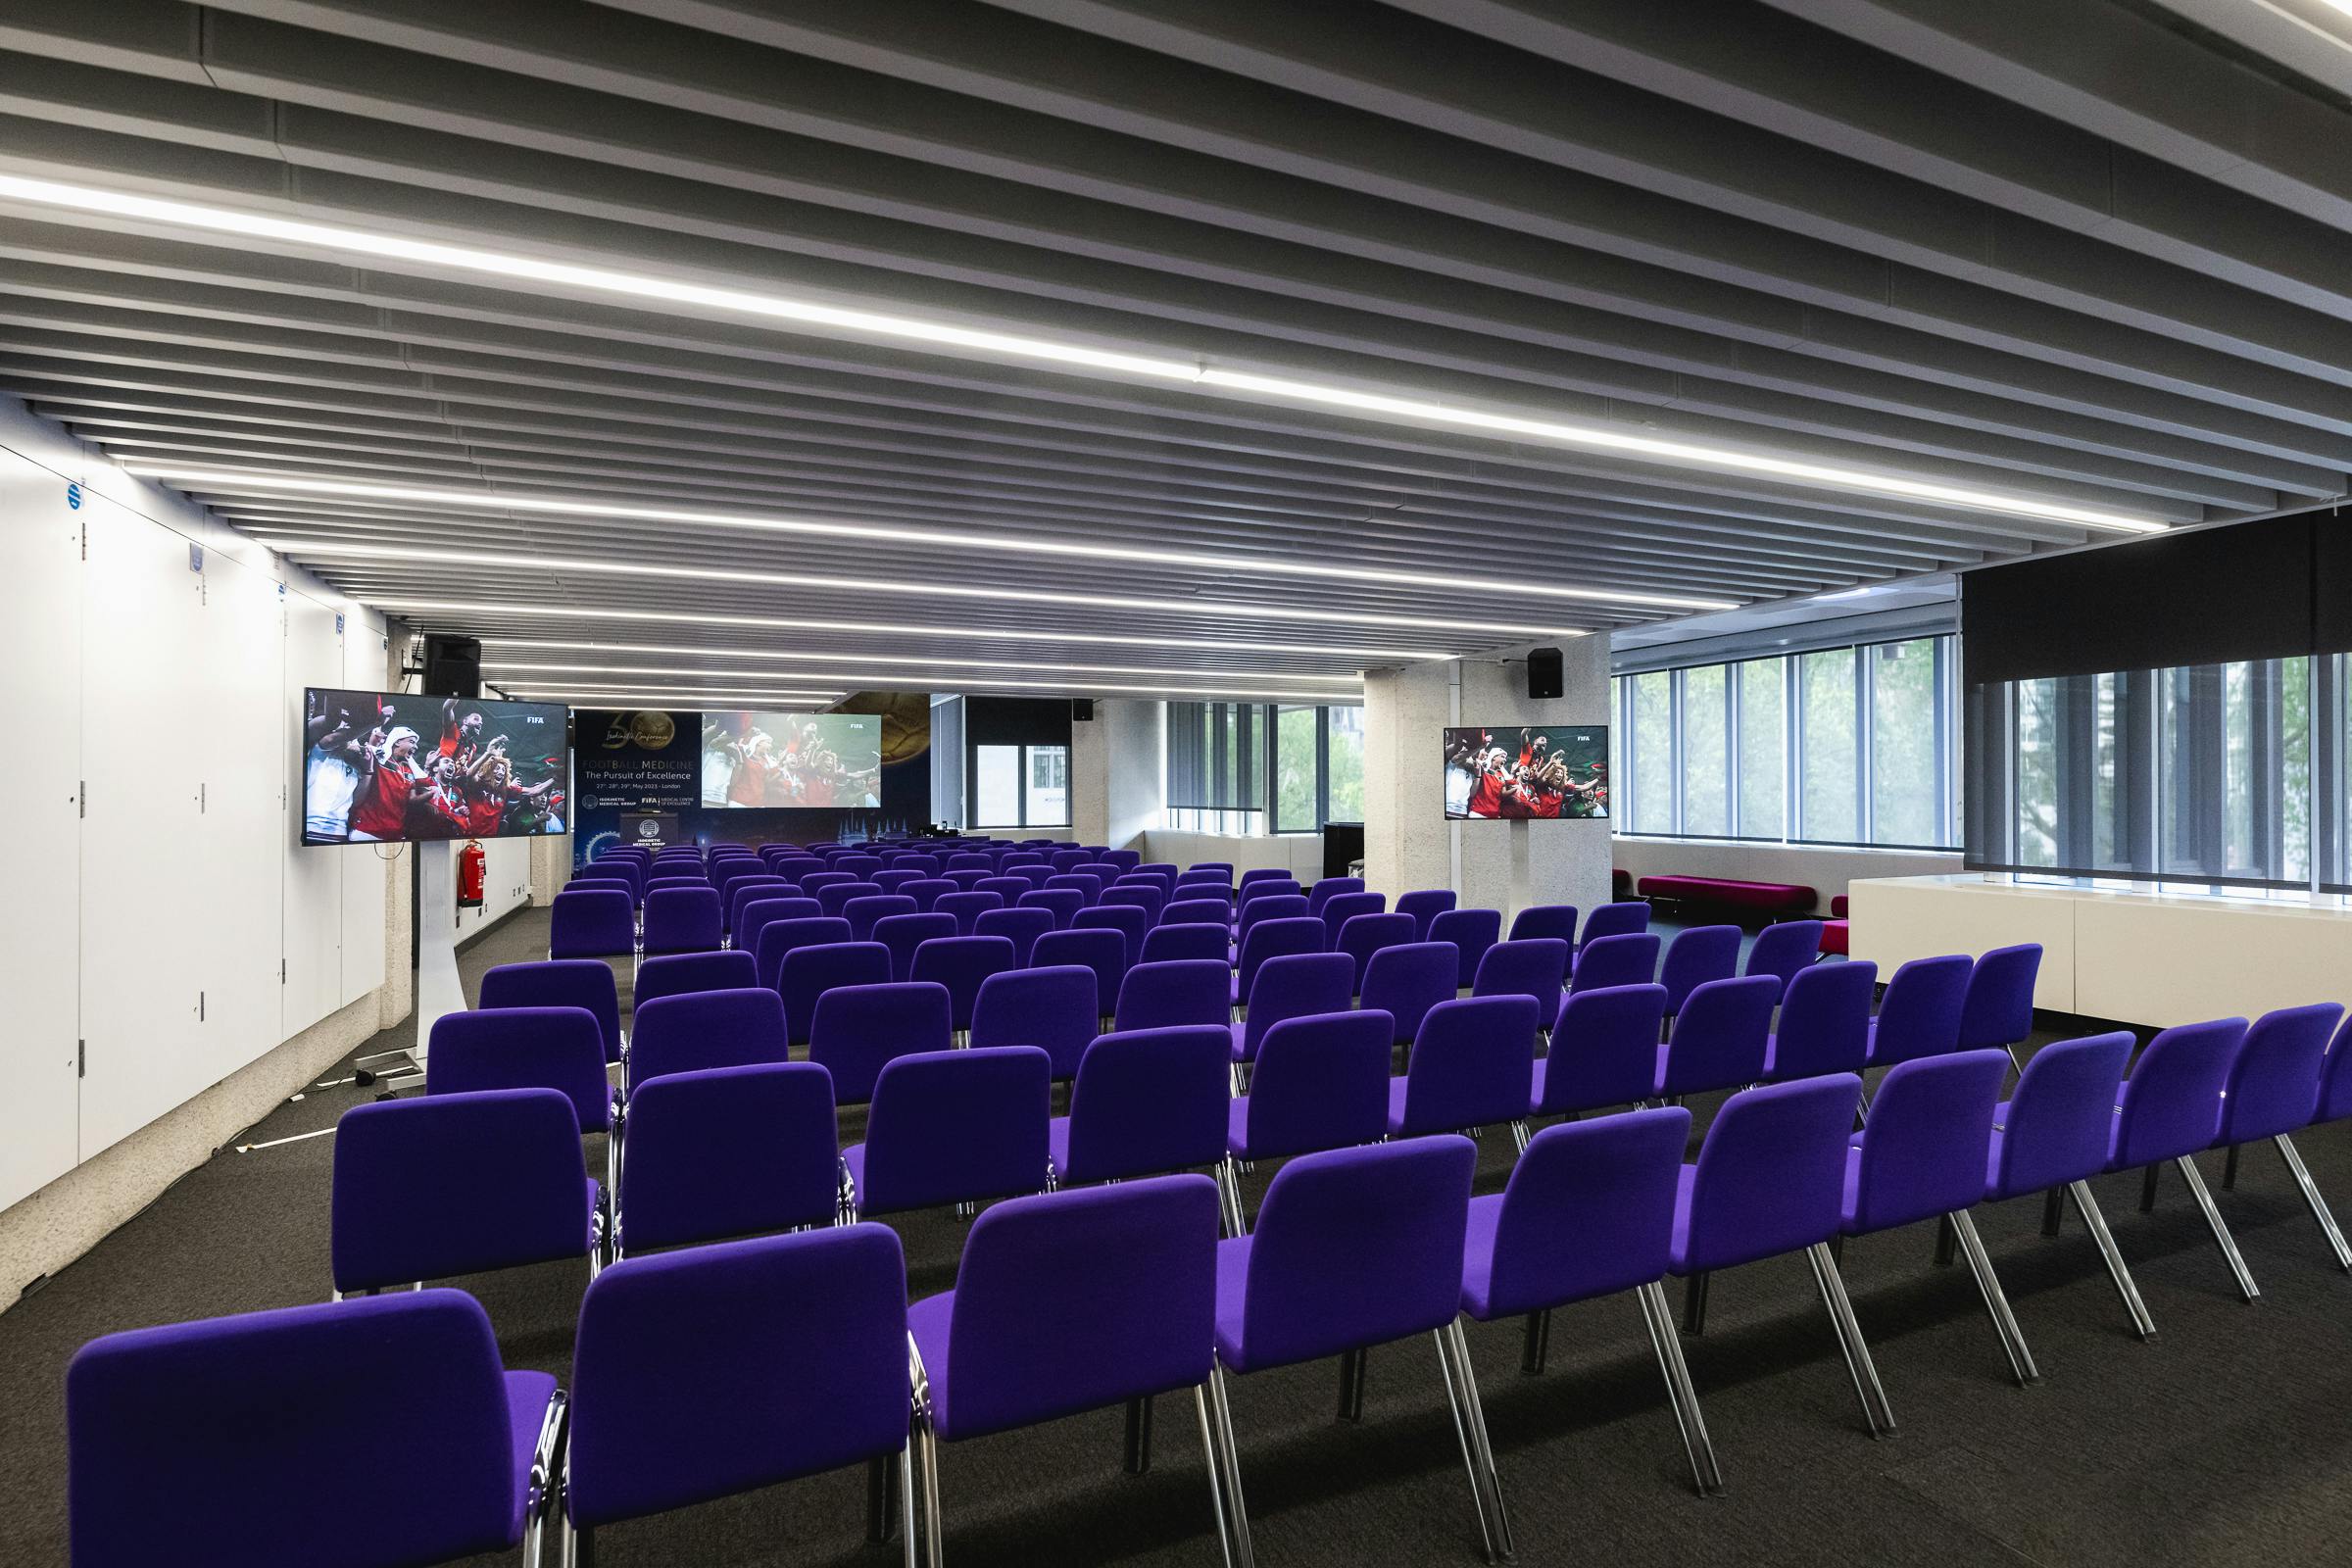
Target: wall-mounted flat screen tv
x,y
1535,773
755,761
393,768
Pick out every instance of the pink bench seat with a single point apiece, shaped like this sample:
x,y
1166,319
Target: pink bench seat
x,y
1764,898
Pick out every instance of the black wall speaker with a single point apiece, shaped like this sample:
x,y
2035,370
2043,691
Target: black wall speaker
x,y
1082,709
1544,672
453,666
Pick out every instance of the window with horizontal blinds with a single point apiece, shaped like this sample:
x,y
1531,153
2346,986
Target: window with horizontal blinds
x,y
1217,757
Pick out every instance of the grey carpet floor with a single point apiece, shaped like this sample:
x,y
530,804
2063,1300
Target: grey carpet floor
x,y
2225,1439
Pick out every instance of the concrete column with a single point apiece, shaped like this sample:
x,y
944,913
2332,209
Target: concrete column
x,y
1118,773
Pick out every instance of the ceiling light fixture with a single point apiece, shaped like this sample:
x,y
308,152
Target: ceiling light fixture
x,y
1243,688
1167,369
942,661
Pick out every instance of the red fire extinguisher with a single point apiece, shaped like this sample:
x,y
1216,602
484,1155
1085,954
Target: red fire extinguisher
x,y
472,860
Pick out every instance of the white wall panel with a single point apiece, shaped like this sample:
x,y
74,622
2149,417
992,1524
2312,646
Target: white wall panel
x,y
40,690
365,866
247,771
313,886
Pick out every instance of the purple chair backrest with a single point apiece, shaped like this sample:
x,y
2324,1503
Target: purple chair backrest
x,y
1086,887
779,937
707,1029
1472,932
834,898
662,1419
859,1028
1063,904
1124,860
1545,920
2060,1119
1471,1064
1131,922
1264,941
1627,917
927,891
747,891
969,861
1276,886
956,1126
1265,873
523,1048
859,864
895,879
862,913
1425,904
1149,896
966,907
2172,1103
1721,1036
177,1437
1321,1081
1051,1008
904,932
1150,1102
1141,1256
1063,860
1163,944
1533,968
1824,1020
1357,1247
1330,888
1919,1015
763,912
1362,935
622,874
1345,907
962,963
1925,1147
2274,1082
810,971
1771,1176
682,919
560,983
591,923
815,883
1159,996
1007,888
1589,1211
1785,950
1295,985
728,1151
677,973
1021,926
1272,906
446,1185
1698,955
1409,979
1101,952
1621,961
1605,1050
1197,912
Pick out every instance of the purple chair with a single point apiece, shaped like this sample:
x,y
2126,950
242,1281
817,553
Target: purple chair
x,y
1197,912
927,891
1162,996
952,1127
1425,904
960,964
1356,1248
1604,1051
1327,889
1122,861
2053,1135
894,879
966,907
1469,1068
834,898
1061,860
742,892
1361,936
1785,949
1104,952
684,919
727,1151
2273,1092
1143,1104
1472,932
678,973
676,874
1019,927
968,880
1165,943
1131,922
1696,957
446,1185
1265,873
707,1029
1321,1081
560,983
775,904
1345,907
1604,963
859,865
859,1029
1149,896
1719,1038
236,1440
1267,940
1824,1023
862,913
1271,886
1007,888
809,972
1004,1348
625,875
1923,1157
1545,920
815,883
969,861
795,1364
1287,986
1264,911
1533,969
1628,918
1164,873
591,923
1407,980
1919,1015
1770,1180
1086,887
523,1048
1063,904
779,938
1054,1008
903,933
1590,1212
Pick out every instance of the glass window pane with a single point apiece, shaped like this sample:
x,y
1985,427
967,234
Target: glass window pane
x,y
1828,803
1706,783
2294,732
1049,787
1902,742
2037,772
1654,752
1346,761
2242,855
1763,747
997,786
1294,765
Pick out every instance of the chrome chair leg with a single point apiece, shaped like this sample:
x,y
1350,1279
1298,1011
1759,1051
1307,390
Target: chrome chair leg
x,y
2096,1223
1875,1410
1658,1317
1354,1364
1520,1135
1229,1195
1216,1473
1996,1302
2312,1199
1538,1343
1480,1444
2246,1287
1461,1436
1236,1512
1137,1454
906,1535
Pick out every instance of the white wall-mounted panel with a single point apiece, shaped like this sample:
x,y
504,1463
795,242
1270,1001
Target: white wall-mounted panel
x,y
312,889
41,691
247,770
